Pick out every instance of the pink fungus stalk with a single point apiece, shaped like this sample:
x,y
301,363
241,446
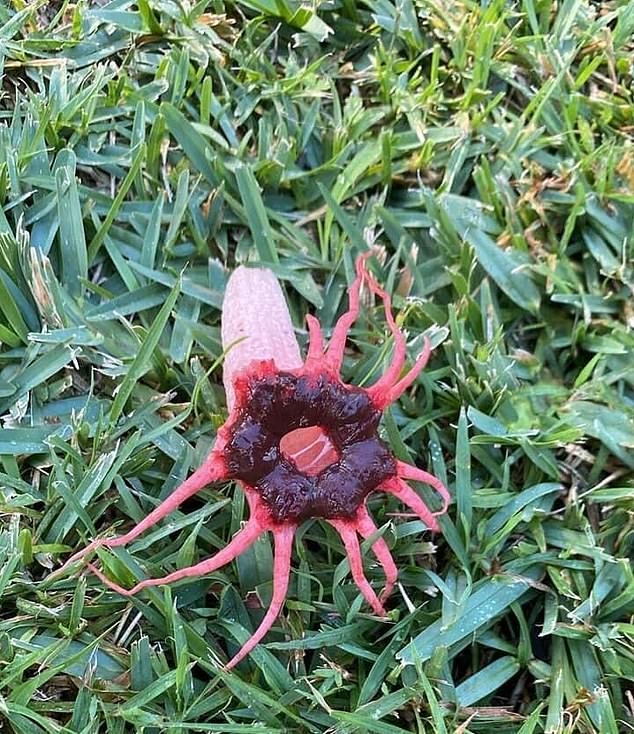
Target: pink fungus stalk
x,y
301,443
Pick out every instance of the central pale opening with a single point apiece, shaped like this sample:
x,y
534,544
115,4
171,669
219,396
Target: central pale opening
x,y
309,449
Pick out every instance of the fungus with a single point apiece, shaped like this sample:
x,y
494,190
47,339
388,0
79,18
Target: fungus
x,y
301,443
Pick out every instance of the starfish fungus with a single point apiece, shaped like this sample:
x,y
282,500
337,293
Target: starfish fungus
x,y
301,443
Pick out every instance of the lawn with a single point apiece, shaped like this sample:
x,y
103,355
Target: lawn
x,y
485,152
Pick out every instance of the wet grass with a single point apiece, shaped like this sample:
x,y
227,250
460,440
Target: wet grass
x,y
486,152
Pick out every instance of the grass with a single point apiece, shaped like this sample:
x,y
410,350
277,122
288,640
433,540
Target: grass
x,y
486,149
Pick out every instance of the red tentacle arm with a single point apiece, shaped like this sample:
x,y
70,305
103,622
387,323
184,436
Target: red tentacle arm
x,y
366,528
281,576
337,344
407,471
389,378
387,396
240,542
408,496
212,470
348,533
384,393
315,354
